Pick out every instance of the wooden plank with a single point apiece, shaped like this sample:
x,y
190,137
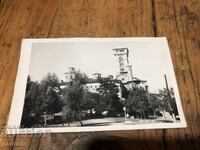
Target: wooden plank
x,y
179,21
20,19
82,18
35,142
45,142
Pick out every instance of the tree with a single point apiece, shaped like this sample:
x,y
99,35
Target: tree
x,y
102,104
137,102
40,99
68,114
90,101
168,102
73,97
31,110
96,104
154,104
50,80
51,101
173,102
79,77
109,93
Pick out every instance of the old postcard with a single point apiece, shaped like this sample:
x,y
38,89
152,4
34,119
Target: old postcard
x,y
95,84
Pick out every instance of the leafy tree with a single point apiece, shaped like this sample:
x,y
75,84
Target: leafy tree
x,y
68,114
173,102
137,102
103,104
154,104
50,80
51,102
31,110
73,97
107,88
168,101
40,98
79,77
96,103
109,93
90,101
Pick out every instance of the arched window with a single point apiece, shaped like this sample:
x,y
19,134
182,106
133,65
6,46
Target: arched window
x,y
121,63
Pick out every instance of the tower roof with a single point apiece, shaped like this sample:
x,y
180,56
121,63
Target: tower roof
x,y
121,51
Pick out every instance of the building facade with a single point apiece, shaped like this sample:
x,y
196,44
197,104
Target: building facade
x,y
124,77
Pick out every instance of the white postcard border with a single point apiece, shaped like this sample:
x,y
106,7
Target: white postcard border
x,y
21,80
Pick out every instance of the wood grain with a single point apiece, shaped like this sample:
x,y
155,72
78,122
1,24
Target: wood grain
x,y
178,20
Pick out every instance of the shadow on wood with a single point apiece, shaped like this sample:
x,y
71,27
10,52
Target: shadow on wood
x,y
110,143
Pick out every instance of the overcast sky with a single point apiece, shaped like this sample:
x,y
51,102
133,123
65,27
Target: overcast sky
x,y
148,58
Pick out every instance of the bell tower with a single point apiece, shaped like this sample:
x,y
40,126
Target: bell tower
x,y
125,70
122,57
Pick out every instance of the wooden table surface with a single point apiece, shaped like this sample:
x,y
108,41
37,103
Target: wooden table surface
x,y
178,20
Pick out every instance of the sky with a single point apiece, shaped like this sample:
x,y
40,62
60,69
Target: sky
x,y
149,59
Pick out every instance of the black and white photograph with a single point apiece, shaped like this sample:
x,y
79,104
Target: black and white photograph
x,y
95,84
